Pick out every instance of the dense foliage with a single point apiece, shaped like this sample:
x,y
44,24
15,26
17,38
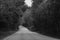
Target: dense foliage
x,y
46,18
10,14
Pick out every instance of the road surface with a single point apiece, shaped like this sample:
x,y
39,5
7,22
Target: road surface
x,y
25,34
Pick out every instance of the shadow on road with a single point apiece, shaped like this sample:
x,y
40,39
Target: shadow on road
x,y
6,34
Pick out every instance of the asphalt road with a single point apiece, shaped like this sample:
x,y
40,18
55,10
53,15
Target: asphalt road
x,y
27,35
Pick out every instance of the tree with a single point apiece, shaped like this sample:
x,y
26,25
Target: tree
x,y
10,14
47,18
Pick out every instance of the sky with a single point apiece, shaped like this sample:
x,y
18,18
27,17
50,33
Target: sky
x,y
28,3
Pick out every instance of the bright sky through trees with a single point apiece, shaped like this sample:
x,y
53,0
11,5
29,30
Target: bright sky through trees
x,y
28,3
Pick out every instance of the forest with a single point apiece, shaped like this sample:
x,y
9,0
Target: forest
x,y
46,18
